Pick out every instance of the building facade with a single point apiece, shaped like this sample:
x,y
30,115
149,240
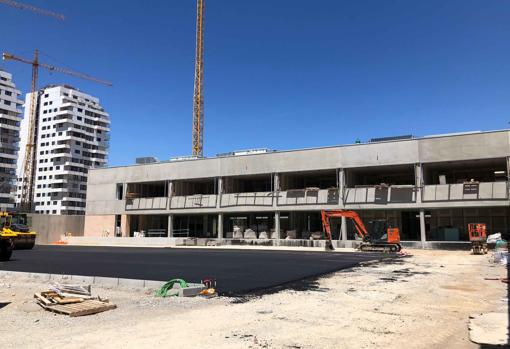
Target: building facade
x,y
429,187
10,118
72,136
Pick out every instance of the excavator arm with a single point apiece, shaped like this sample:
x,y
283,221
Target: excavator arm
x,y
361,230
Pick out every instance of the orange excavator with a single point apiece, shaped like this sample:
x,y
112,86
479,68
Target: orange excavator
x,y
380,238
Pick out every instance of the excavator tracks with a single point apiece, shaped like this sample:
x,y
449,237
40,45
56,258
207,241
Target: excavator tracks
x,y
393,248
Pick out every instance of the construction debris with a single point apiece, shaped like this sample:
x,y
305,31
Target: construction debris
x,y
180,288
72,300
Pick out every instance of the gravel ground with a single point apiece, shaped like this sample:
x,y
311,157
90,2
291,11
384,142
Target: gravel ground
x,y
420,301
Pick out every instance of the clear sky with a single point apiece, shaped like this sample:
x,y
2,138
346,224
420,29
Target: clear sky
x,y
281,74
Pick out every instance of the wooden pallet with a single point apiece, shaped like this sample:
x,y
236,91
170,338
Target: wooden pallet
x,y
87,307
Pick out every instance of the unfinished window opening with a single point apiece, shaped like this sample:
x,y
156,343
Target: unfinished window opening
x,y
203,186
307,180
148,225
258,225
119,191
304,225
198,226
248,184
147,190
492,170
382,175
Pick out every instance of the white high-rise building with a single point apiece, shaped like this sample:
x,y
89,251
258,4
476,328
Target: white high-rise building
x,y
72,137
10,118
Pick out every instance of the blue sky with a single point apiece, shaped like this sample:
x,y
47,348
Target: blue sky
x,y
281,74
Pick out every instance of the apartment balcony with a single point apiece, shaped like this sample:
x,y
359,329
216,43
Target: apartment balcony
x,y
308,197
157,203
380,194
247,199
193,201
466,191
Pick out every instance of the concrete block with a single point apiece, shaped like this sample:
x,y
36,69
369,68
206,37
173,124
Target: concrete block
x,y
191,291
131,283
250,234
106,282
291,234
79,279
263,235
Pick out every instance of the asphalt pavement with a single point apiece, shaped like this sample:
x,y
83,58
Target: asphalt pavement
x,y
237,272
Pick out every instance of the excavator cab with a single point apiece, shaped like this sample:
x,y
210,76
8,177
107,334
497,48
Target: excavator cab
x,y
381,232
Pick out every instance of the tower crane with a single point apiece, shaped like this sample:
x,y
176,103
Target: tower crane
x,y
28,170
198,95
34,9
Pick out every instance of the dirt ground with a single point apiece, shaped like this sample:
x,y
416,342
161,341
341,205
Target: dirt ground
x,y
420,301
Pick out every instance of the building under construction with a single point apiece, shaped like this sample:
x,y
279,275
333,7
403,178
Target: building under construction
x,y
10,118
71,136
430,187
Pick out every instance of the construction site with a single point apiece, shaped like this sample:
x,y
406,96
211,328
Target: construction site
x,y
394,235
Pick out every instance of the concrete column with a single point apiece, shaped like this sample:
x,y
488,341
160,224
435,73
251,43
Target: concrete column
x,y
220,191
343,229
124,190
170,225
124,225
418,181
341,187
276,189
170,193
508,173
277,226
423,232
220,226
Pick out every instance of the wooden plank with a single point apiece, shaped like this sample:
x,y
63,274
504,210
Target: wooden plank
x,y
87,307
67,300
41,298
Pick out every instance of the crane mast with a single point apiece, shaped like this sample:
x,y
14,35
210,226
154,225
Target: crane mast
x,y
198,95
28,170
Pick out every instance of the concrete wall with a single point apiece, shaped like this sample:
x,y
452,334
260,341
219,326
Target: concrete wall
x,y
487,145
98,225
49,228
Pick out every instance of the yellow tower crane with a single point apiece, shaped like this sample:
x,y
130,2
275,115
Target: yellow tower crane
x,y
34,9
28,170
198,95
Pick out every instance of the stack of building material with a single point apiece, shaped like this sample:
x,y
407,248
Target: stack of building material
x,y
72,300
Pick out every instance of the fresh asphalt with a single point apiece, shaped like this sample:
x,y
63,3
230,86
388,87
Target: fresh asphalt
x,y
237,272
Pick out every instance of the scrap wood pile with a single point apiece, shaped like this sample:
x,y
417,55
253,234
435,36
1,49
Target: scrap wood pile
x,y
72,300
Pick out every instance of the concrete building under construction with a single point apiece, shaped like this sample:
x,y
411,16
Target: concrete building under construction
x,y
430,187
72,136
10,118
